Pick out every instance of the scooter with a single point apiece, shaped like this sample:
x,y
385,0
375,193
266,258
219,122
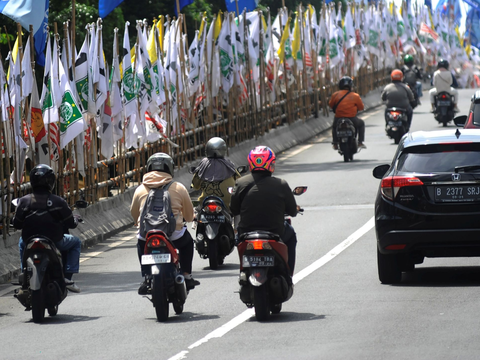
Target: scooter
x,y
42,279
444,108
215,238
396,123
265,277
166,283
347,139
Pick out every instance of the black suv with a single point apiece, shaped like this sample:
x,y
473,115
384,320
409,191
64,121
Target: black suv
x,y
428,202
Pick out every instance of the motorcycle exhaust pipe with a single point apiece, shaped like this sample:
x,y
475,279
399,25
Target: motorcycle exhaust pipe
x,y
279,288
180,288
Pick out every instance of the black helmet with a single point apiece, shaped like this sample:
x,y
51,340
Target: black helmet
x,y
160,162
216,148
345,82
42,176
442,63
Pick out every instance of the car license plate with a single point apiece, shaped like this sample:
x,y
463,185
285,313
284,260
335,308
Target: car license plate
x,y
255,261
212,218
444,103
462,193
344,133
151,259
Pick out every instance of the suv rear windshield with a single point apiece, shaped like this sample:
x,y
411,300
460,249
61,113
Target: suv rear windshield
x,y
437,158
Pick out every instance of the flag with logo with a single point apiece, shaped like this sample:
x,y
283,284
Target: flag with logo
x,y
49,108
81,74
226,57
128,80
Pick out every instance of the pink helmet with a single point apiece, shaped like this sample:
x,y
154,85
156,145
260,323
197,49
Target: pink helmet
x,y
262,158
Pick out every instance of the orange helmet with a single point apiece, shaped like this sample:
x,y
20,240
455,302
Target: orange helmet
x,y
396,75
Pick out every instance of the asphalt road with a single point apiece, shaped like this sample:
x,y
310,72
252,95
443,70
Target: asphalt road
x,y
339,309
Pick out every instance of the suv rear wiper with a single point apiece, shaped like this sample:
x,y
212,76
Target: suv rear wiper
x,y
466,168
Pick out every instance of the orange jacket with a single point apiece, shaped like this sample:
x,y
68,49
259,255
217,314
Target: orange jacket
x,y
350,105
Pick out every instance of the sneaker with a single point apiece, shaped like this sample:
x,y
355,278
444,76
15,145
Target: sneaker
x,y
72,287
432,110
191,283
335,146
143,289
361,146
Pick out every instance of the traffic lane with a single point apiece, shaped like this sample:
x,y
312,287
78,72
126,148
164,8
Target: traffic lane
x,y
289,334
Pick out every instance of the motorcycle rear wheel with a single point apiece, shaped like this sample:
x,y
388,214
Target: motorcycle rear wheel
x,y
213,255
38,305
276,308
159,297
53,310
260,301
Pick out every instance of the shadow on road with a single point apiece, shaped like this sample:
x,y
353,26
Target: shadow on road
x,y
65,319
288,317
442,277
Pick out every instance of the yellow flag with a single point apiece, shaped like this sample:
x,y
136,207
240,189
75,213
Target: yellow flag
x,y
265,27
285,35
202,25
152,51
218,25
14,56
296,38
160,24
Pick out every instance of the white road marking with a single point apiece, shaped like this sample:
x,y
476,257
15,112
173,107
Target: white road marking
x,y
296,152
247,314
89,255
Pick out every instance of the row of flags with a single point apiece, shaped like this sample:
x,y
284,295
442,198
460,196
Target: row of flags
x,y
160,84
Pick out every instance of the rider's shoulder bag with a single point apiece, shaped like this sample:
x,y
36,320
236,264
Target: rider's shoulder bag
x,y
334,109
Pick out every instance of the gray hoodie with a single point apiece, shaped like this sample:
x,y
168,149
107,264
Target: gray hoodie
x,y
442,80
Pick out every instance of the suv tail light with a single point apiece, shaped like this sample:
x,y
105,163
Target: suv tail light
x,y
392,184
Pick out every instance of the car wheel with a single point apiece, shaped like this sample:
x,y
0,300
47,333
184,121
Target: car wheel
x,y
389,271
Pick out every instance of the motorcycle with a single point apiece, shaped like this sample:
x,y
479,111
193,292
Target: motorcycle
x,y
347,139
396,123
444,108
215,238
265,280
43,282
166,283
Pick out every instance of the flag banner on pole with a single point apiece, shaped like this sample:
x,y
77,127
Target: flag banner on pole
x,y
105,7
250,5
182,4
28,12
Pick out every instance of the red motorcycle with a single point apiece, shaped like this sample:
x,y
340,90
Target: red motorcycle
x,y
166,282
265,280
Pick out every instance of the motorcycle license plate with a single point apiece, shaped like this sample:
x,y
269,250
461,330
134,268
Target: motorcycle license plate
x,y
255,261
395,123
444,103
151,259
344,133
212,218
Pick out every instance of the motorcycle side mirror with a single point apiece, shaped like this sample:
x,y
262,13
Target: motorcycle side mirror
x,y
242,169
81,204
192,169
460,120
299,190
380,171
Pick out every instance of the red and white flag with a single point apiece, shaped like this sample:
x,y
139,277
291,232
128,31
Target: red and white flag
x,y
426,30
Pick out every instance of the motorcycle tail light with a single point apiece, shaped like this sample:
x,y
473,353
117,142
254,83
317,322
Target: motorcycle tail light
x,y
259,245
38,245
392,184
156,242
395,114
212,208
444,96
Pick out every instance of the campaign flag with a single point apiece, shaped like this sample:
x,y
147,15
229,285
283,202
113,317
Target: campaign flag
x,y
426,30
250,5
28,12
182,4
105,7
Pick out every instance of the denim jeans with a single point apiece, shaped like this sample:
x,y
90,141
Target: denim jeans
x,y
71,245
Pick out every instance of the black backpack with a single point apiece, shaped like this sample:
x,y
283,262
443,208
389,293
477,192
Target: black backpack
x,y
157,212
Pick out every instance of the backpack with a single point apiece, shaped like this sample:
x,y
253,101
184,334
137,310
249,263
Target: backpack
x,y
157,212
409,77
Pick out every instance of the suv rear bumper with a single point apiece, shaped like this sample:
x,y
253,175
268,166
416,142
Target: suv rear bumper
x,y
432,243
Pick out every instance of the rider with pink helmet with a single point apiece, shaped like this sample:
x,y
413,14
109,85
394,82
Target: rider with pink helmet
x,y
262,200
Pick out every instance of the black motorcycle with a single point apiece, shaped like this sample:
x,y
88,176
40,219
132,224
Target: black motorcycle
x,y
215,238
42,280
444,108
396,123
347,139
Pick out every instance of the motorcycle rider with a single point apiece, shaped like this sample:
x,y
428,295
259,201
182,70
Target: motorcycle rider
x,y
215,173
262,201
398,94
411,75
345,104
443,81
45,214
160,171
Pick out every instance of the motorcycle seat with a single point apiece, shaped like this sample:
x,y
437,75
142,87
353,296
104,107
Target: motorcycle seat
x,y
267,235
396,109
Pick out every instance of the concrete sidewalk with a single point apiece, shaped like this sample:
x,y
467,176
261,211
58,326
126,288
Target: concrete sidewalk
x,y
112,215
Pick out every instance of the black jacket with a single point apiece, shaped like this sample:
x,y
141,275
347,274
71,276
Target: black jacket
x,y
262,201
45,214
